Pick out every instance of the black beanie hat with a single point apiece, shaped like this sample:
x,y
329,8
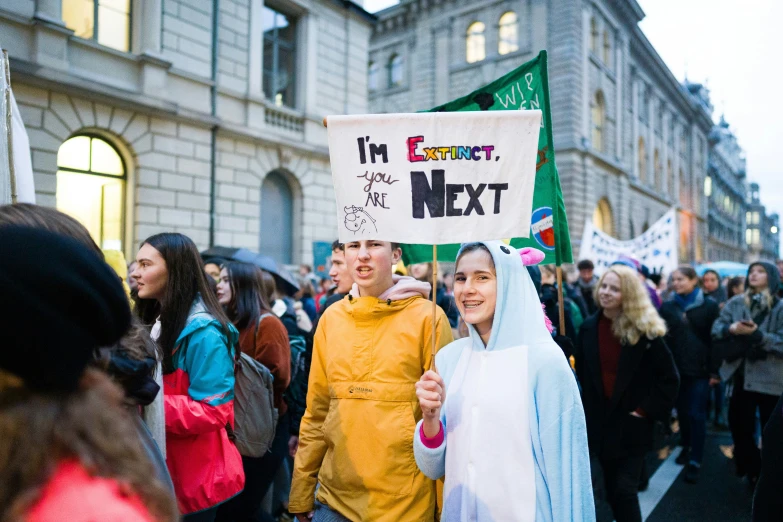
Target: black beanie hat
x,y
59,302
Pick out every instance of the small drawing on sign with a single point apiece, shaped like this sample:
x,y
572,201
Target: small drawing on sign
x,y
357,220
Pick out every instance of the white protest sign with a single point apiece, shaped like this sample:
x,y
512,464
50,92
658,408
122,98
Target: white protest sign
x,y
656,248
434,178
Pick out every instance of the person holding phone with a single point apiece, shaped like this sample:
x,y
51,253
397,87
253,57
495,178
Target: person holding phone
x,y
755,319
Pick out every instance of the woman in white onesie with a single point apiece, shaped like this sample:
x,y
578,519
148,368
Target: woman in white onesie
x,y
503,419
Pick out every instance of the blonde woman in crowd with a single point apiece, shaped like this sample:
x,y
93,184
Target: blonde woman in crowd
x,y
628,380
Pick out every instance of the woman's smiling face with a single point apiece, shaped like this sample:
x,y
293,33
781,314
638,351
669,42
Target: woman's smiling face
x,y
475,289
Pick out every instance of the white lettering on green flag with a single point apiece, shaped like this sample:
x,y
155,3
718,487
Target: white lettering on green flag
x,y
525,88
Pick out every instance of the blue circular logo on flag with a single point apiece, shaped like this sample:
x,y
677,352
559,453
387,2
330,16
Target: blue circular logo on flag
x,y
542,227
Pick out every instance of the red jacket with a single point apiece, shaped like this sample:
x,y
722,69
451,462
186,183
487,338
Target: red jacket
x,y
204,464
73,495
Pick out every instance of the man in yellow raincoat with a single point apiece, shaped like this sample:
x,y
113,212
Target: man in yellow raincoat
x,y
356,437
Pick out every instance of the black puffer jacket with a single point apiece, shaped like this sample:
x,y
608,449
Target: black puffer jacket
x,y
689,334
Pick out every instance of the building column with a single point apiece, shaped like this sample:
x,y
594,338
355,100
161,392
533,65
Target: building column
x,y
586,97
635,127
151,23
442,36
50,11
621,44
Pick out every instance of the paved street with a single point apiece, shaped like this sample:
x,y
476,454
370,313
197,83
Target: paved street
x,y
719,495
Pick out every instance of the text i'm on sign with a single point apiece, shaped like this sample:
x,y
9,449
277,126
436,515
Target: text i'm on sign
x,y
434,178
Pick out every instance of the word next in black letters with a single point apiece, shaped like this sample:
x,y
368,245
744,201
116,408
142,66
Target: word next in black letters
x,y
440,198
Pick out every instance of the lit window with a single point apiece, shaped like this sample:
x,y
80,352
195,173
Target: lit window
x,y
748,236
279,76
593,36
105,21
602,217
91,188
395,71
373,73
756,236
773,229
607,49
598,121
508,32
707,185
642,161
475,43
755,218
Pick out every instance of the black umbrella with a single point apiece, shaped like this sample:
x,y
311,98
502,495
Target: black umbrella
x,y
285,281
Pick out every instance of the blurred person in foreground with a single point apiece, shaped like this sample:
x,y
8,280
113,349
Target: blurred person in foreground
x,y
752,325
68,447
134,361
355,439
628,379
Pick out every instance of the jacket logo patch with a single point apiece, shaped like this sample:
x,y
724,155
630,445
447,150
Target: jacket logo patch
x,y
359,389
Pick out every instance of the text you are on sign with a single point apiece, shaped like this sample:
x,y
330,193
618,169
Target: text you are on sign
x,y
434,178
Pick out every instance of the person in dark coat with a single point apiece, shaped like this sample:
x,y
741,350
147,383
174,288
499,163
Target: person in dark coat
x,y
689,317
768,500
628,380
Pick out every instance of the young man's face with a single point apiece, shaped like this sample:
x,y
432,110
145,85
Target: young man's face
x,y
339,272
370,264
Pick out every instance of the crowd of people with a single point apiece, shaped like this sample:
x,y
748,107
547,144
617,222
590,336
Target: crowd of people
x,y
124,387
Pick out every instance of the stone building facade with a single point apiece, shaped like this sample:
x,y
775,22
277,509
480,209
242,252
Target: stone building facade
x,y
724,188
197,117
631,141
762,234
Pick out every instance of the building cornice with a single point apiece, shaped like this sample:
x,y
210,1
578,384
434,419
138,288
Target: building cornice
x,y
53,80
647,56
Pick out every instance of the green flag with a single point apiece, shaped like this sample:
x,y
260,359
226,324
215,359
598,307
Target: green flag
x,y
526,87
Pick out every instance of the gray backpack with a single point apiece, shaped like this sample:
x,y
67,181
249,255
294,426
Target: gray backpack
x,y
255,415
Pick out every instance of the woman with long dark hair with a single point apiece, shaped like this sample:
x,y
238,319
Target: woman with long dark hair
x,y
197,341
689,315
263,337
628,379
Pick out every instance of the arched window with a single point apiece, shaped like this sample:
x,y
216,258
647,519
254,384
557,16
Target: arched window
x,y
603,219
475,43
669,177
91,188
508,33
607,49
105,21
658,181
277,218
642,160
598,116
373,71
395,70
594,36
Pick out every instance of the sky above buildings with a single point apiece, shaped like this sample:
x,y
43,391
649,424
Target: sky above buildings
x,y
735,49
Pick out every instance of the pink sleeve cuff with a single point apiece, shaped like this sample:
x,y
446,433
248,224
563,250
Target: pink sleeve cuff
x,y
432,442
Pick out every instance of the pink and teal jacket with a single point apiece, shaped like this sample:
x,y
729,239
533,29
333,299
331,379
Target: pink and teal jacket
x,y
205,466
